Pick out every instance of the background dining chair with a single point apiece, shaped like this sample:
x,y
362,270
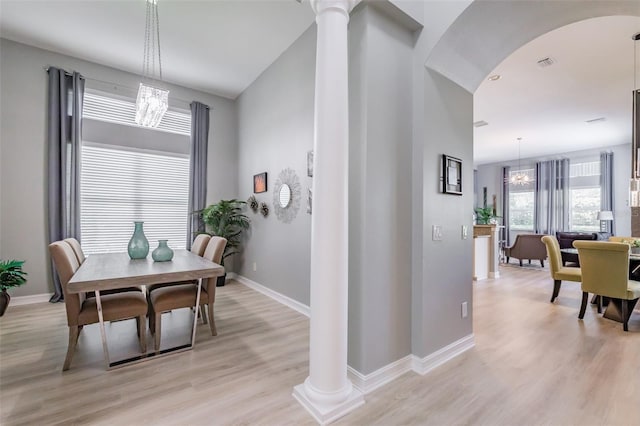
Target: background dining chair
x,y
559,273
82,311
605,272
181,295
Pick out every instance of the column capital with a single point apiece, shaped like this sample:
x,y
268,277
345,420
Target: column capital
x,y
345,6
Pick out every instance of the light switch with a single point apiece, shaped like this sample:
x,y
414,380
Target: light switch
x,y
464,232
436,233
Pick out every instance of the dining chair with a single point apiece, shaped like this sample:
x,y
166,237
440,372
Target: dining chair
x,y
559,273
605,272
183,295
82,310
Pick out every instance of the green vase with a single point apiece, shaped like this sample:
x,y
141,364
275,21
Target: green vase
x,y
138,244
163,253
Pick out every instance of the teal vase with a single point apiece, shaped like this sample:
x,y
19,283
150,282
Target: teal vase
x,y
163,253
138,244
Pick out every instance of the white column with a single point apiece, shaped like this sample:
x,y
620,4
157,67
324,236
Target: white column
x,y
327,393
494,265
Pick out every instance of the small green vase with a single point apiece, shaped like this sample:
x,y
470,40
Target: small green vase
x,y
138,244
163,253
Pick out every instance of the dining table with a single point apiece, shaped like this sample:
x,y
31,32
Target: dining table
x,y
108,271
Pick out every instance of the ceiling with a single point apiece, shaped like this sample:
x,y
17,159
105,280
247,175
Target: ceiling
x,y
592,77
218,47
222,46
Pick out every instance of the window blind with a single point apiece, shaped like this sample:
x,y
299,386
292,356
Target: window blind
x,y
120,186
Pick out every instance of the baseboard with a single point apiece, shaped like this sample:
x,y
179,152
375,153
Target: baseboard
x,y
423,365
285,300
28,300
367,383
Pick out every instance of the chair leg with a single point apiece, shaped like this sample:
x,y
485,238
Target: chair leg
x,y
507,259
583,307
158,327
203,315
599,304
520,262
212,322
542,263
152,320
73,339
625,319
556,289
529,261
142,332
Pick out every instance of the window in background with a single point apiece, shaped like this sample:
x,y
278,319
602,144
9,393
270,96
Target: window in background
x,y
585,192
521,201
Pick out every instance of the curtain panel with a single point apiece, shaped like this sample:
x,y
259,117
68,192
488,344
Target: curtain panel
x,y
197,168
64,138
505,205
552,203
606,188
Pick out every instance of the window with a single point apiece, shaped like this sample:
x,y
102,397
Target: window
x,y
521,201
585,196
119,186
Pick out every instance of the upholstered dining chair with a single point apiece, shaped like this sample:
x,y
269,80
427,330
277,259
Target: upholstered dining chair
x,y
605,272
183,295
82,311
559,273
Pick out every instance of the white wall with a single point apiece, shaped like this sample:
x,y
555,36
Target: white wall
x,y
490,176
23,93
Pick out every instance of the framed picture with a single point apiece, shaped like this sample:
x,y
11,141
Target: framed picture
x,y
260,183
310,163
452,171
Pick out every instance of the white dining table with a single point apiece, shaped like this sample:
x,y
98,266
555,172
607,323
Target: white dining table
x,y
109,271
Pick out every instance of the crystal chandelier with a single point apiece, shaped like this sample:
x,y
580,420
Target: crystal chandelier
x,y
152,102
520,178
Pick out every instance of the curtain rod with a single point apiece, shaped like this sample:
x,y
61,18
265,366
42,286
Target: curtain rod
x,y
46,68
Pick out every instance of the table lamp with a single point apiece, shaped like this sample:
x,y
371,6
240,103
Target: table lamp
x,y
604,217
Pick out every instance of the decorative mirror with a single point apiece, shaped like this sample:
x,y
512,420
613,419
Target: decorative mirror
x,y
286,195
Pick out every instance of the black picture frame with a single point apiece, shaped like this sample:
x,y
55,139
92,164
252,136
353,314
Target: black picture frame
x,y
451,175
260,183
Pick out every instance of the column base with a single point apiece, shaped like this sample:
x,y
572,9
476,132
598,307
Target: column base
x,y
325,413
495,274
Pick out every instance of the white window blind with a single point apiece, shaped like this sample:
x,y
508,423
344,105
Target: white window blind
x,y
119,186
104,108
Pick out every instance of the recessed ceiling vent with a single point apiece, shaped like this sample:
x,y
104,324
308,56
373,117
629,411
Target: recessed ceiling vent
x,y
596,120
480,123
546,62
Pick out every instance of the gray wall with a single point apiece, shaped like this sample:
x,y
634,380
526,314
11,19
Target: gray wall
x,y
275,131
490,176
23,93
380,190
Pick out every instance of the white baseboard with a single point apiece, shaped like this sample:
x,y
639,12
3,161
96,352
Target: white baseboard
x,y
367,383
285,300
28,300
328,413
423,365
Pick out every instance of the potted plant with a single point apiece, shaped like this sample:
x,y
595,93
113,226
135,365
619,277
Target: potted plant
x,y
485,216
635,246
11,275
225,219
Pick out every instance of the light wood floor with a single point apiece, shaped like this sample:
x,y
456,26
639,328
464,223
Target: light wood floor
x,y
534,363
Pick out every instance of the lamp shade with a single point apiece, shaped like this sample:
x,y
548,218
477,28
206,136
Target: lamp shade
x,y
605,215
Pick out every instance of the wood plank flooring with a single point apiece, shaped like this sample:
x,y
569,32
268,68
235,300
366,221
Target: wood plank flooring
x,y
534,363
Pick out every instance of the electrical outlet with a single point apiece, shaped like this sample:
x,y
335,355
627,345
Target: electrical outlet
x,y
465,311
464,232
436,233
255,266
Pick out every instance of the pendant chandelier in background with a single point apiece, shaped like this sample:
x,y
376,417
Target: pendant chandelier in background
x,y
152,102
520,178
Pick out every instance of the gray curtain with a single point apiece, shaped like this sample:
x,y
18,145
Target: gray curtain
x,y
606,187
197,168
505,204
552,204
64,139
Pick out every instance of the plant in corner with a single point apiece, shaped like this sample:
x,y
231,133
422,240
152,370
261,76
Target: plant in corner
x,y
11,275
484,215
225,219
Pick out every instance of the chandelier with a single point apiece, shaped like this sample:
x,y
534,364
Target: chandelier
x,y
152,102
520,178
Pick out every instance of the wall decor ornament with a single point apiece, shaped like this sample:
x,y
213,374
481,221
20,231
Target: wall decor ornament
x,y
253,203
286,195
451,175
310,163
138,247
309,200
264,209
260,183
